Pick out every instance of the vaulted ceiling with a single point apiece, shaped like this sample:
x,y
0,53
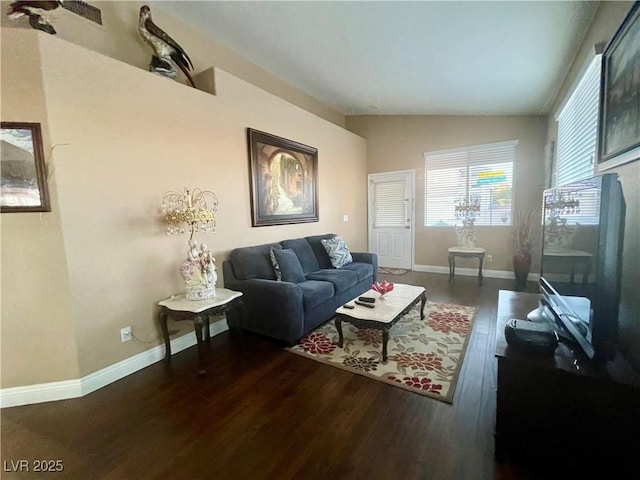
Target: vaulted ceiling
x,y
395,57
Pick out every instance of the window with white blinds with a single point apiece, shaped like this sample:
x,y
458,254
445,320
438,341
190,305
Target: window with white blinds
x,y
578,128
482,171
389,203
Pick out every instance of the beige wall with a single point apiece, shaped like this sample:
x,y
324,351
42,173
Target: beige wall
x,y
118,38
36,311
608,17
399,142
72,278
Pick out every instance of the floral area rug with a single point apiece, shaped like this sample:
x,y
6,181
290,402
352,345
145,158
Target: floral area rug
x,y
424,356
393,271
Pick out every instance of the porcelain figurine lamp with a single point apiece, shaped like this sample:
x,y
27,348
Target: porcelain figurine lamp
x,y
194,211
560,203
467,209
558,234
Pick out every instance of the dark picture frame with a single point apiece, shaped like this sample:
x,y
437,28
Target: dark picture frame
x,y
23,178
619,122
284,180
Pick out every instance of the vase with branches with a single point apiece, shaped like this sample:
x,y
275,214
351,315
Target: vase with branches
x,y
522,225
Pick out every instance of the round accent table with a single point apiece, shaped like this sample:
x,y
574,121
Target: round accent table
x,y
465,252
198,311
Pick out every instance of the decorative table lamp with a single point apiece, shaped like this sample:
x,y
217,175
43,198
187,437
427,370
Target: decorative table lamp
x,y
194,211
467,209
558,234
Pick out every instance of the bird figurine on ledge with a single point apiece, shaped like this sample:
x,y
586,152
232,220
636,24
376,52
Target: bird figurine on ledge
x,y
166,50
37,13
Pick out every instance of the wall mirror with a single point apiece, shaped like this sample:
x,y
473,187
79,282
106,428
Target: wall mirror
x,y
23,182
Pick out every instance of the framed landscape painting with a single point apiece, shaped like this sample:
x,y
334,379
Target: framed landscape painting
x,y
619,125
23,183
284,180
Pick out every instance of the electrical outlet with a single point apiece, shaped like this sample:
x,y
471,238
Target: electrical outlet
x,y
125,334
489,258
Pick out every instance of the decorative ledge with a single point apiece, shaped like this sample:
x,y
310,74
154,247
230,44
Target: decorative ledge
x,y
206,81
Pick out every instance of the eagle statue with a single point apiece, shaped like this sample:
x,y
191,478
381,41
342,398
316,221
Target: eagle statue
x,y
37,13
166,49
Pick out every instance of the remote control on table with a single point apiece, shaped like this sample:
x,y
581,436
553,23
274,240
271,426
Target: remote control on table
x,y
365,304
367,299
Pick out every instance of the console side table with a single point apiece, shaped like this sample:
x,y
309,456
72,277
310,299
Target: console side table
x,y
475,252
574,257
198,311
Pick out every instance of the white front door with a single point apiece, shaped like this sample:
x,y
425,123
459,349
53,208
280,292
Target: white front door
x,y
391,218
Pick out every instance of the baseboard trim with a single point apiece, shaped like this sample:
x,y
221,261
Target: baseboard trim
x,y
54,391
473,272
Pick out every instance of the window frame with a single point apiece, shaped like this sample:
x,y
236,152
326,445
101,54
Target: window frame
x,y
473,155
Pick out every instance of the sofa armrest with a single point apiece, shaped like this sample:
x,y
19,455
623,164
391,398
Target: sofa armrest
x,y
268,306
367,257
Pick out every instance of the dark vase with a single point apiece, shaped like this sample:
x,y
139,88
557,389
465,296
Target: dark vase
x,y
521,267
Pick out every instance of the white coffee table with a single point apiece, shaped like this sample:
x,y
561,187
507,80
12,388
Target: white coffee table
x,y
386,312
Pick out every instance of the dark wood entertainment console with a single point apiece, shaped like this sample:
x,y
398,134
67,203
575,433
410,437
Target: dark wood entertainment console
x,y
562,414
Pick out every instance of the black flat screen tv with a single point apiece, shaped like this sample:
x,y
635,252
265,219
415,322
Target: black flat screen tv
x,y
580,271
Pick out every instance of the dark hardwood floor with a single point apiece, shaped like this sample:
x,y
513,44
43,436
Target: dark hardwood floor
x,y
264,413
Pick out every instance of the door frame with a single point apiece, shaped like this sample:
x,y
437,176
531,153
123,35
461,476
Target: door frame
x,y
412,207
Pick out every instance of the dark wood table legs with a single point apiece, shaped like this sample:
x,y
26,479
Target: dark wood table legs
x,y
165,334
198,312
198,325
385,339
202,332
423,302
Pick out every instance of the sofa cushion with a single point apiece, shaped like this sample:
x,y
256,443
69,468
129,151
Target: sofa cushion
x,y
341,279
253,262
321,253
304,252
288,265
363,270
315,292
337,250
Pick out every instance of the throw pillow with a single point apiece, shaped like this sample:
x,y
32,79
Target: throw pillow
x,y
338,251
287,263
276,267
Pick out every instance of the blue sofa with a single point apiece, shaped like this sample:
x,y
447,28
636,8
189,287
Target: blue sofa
x,y
288,310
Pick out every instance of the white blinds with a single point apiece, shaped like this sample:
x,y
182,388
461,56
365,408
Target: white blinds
x,y
578,128
485,171
389,203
